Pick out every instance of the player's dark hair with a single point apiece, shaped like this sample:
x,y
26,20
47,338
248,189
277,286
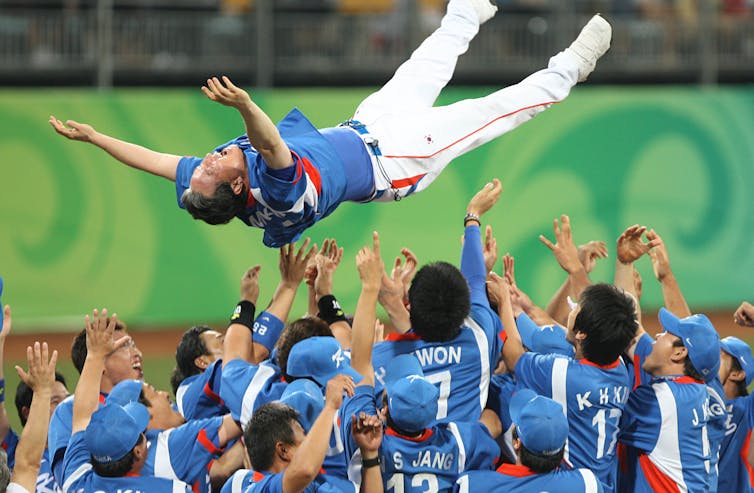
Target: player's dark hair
x,y
78,348
741,389
296,332
4,471
541,464
24,395
189,348
688,366
120,467
270,424
440,301
223,206
608,318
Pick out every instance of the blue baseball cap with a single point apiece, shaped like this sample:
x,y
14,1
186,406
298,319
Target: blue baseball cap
x,y
124,392
742,352
411,399
320,359
540,422
114,430
546,339
699,338
304,396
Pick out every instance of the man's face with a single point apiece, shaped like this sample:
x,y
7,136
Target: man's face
x,y
216,168
726,365
662,350
125,362
298,436
570,332
162,416
59,393
213,341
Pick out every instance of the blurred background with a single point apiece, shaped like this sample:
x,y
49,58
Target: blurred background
x,y
662,134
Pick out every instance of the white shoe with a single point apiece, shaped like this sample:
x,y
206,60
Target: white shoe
x,y
485,9
593,41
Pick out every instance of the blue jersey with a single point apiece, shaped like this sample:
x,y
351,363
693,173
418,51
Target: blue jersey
x,y
198,396
239,481
246,387
521,479
273,483
462,366
45,480
184,453
735,473
664,428
81,478
323,163
593,398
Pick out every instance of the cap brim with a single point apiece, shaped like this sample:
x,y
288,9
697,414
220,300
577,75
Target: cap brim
x,y
670,322
139,413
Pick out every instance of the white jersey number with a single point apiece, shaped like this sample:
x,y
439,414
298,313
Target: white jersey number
x,y
600,421
443,378
427,482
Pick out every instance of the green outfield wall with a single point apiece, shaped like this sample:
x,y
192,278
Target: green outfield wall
x,y
79,230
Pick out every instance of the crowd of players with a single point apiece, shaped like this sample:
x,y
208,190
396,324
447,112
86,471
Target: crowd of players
x,y
475,388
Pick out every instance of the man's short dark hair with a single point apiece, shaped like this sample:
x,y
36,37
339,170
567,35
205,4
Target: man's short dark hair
x,y
608,318
24,395
189,348
440,301
540,464
78,348
296,332
741,389
270,424
218,209
118,468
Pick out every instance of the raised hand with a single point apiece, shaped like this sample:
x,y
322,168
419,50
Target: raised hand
x,y
74,130
485,198
99,334
336,387
630,246
366,430
7,322
41,373
226,93
250,284
293,264
326,262
489,249
590,252
659,255
564,248
369,264
744,315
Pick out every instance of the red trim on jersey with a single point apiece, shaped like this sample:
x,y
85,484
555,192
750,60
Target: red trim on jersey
x,y
685,379
517,471
258,476
102,398
251,201
209,393
637,370
426,434
195,487
205,442
612,365
314,175
503,335
407,182
744,453
132,475
408,336
475,131
658,481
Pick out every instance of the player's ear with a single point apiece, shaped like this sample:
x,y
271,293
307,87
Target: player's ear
x,y
737,375
283,451
201,362
237,185
679,354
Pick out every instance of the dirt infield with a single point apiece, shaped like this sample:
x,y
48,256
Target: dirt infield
x,y
162,341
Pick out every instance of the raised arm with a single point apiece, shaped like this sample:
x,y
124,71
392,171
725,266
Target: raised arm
x,y
328,308
513,347
472,255
744,314
567,255
393,294
671,291
520,301
99,344
133,155
31,445
370,267
237,343
4,422
262,133
558,307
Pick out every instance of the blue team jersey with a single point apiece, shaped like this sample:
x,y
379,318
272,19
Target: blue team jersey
x,y
239,481
285,208
593,398
81,478
273,483
461,367
246,387
520,479
184,453
45,480
735,473
664,428
198,396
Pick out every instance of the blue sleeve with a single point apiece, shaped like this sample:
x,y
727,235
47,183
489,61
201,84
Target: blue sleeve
x,y
363,400
493,328
59,434
271,484
502,387
246,386
76,454
472,265
482,452
192,446
267,330
10,442
642,350
279,194
534,371
186,167
641,419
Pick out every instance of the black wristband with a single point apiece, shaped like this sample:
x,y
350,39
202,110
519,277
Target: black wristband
x,y
367,463
470,216
244,314
329,310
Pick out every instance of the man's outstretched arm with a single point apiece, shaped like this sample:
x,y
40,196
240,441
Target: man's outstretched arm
x,y
135,156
